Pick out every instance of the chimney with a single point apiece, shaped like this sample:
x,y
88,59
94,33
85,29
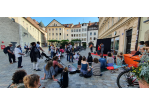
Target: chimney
x,y
79,23
89,22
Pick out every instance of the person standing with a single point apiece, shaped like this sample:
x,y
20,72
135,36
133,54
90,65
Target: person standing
x,y
91,48
11,54
52,51
49,48
99,48
34,55
68,47
39,48
18,54
70,52
102,48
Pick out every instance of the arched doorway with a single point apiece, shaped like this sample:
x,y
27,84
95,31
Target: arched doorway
x,y
146,36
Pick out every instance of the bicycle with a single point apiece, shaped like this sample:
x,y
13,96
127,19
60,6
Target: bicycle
x,y
127,78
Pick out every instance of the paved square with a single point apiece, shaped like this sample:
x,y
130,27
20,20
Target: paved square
x,y
108,80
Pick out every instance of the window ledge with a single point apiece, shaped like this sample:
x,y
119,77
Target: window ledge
x,y
146,21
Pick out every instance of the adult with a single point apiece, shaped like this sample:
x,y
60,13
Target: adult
x,y
110,60
99,49
57,66
91,48
68,47
18,54
147,43
102,62
11,54
85,71
74,47
52,51
70,52
79,62
102,48
32,81
34,55
96,67
139,47
49,47
89,59
49,71
17,79
39,48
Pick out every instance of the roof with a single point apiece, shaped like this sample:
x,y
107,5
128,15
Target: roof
x,y
29,19
91,24
55,20
77,26
69,25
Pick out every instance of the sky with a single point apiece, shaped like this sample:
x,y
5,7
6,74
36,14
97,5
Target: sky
x,y
66,20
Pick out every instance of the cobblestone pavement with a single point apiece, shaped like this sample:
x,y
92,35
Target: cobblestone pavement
x,y
108,80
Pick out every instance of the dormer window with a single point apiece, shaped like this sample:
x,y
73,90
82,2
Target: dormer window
x,y
67,25
54,24
96,23
13,19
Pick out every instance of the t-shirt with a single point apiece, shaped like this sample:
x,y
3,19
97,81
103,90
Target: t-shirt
x,y
52,50
17,51
49,73
55,63
79,62
9,48
110,60
96,68
103,62
37,45
90,59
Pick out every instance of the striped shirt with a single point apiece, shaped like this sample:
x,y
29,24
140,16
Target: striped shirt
x,y
96,68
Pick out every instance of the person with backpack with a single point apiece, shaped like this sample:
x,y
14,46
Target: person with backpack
x,y
10,54
68,47
90,59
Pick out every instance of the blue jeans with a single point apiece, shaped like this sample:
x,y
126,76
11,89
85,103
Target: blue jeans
x,y
71,54
52,54
67,57
19,61
60,70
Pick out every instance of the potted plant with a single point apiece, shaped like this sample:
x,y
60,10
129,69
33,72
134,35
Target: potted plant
x,y
142,71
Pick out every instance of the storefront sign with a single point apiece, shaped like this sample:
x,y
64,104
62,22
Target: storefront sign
x,y
2,46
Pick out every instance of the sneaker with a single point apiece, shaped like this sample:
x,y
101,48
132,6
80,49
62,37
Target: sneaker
x,y
38,70
81,75
100,75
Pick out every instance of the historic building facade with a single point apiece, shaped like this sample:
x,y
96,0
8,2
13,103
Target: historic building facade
x,y
22,30
121,30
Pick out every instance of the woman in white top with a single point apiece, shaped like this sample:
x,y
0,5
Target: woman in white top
x,y
74,47
139,48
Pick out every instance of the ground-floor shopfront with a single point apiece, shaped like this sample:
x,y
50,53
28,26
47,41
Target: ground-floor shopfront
x,y
123,36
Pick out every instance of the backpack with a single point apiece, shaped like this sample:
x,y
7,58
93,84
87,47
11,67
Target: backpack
x,y
5,50
64,79
68,50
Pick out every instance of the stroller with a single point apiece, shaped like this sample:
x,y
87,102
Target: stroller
x,y
47,57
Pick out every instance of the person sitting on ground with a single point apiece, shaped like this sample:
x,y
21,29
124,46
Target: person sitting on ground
x,y
139,48
32,81
49,71
110,60
58,67
102,62
17,79
90,59
85,71
119,61
96,67
79,62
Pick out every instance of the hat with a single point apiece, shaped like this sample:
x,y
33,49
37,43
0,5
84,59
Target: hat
x,y
17,45
10,43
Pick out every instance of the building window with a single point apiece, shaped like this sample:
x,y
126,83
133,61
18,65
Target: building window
x,y
59,28
67,30
67,34
94,33
52,29
59,33
79,30
82,29
94,38
96,23
85,29
82,24
74,30
55,24
49,34
56,28
52,38
13,19
53,34
71,35
56,34
74,35
90,33
71,30
49,29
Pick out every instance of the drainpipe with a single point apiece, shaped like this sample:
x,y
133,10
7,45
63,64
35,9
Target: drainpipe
x,y
138,28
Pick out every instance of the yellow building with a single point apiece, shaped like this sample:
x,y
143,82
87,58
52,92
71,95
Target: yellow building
x,y
144,29
58,31
121,30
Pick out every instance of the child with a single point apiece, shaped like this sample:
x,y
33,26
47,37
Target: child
x,y
90,59
119,60
110,60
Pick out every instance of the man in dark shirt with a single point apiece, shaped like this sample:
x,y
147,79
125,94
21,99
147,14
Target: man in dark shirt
x,y
11,54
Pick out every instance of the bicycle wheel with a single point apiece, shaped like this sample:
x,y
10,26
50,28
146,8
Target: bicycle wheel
x,y
126,79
